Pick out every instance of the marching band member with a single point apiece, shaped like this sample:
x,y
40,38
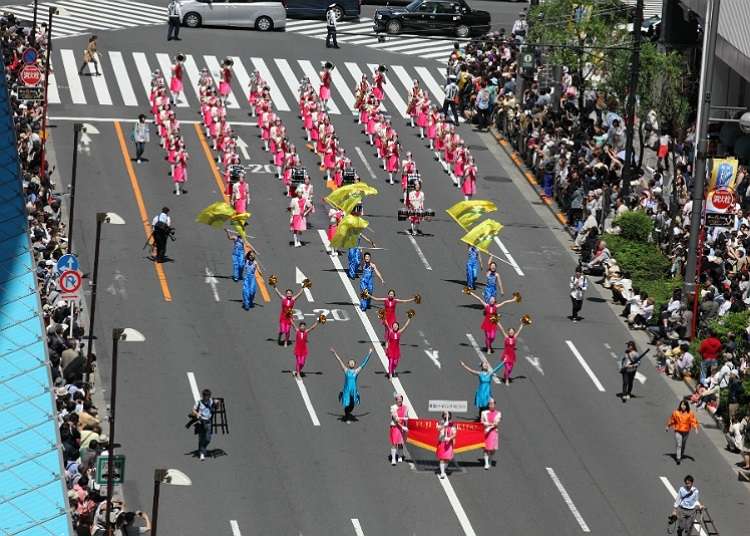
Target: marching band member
x,y
483,394
433,120
491,318
254,90
391,159
354,256
298,220
349,395
280,150
343,162
291,161
416,203
300,345
389,308
459,160
493,281
469,179
408,167
225,82
329,155
446,437
473,264
398,428
175,84
378,82
423,111
490,419
249,285
240,195
441,129
415,96
366,285
393,346
180,174
509,349
306,188
285,317
238,253
362,94
325,84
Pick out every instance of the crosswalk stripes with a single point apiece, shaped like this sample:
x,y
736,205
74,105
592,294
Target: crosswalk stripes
x,y
126,80
53,95
78,17
361,33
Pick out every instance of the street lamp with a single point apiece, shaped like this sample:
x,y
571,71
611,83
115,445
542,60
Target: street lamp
x,y
51,11
124,335
173,477
112,219
77,129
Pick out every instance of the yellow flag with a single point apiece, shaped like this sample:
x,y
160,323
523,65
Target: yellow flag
x,y
238,222
467,213
349,196
215,214
482,235
348,231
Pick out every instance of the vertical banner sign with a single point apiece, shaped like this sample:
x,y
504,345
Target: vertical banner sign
x,y
720,201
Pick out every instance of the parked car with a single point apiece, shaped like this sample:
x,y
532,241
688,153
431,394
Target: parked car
x,y
425,17
344,9
263,15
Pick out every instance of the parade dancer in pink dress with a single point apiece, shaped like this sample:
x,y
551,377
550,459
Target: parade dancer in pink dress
x,y
225,80
408,167
179,176
254,91
469,181
291,161
389,308
393,345
423,112
398,429
491,318
325,84
240,195
300,345
447,432
415,95
459,161
175,84
509,349
415,202
298,221
287,311
378,82
391,159
490,419
434,119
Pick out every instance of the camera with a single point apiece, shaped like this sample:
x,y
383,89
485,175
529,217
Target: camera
x,y
672,519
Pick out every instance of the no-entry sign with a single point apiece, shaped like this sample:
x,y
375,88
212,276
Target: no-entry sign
x,y
31,75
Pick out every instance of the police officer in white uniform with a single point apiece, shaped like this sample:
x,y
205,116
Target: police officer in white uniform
x,y
174,12
331,24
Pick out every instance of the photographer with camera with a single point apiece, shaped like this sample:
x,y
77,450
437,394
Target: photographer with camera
x,y
201,417
126,523
162,230
686,507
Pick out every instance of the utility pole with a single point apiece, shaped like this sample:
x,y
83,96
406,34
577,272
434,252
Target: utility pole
x,y
701,146
635,71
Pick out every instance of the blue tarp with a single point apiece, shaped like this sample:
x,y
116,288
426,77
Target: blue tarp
x,y
32,492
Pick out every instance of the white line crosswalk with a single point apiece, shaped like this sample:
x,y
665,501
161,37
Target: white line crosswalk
x,y
361,33
125,80
78,17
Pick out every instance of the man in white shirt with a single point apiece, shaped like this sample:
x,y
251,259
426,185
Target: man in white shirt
x,y
686,506
174,12
578,285
162,229
331,25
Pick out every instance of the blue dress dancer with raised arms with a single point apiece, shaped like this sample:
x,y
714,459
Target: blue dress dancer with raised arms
x,y
366,284
349,395
238,254
484,390
473,262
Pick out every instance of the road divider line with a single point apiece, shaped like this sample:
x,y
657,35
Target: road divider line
x,y
366,163
511,261
193,386
420,254
478,350
673,492
568,500
307,401
235,528
220,184
445,483
357,527
585,365
160,275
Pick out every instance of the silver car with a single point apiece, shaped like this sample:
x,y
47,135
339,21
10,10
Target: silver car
x,y
259,14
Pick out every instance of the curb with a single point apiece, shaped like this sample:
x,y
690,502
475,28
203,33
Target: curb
x,y
530,178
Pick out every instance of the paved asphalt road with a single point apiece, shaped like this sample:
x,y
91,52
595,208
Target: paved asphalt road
x,y
572,459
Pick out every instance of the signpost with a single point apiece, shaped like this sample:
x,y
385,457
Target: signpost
x,y
67,262
30,56
118,471
454,406
30,93
30,75
70,285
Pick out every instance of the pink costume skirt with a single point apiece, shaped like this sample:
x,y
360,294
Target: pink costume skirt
x,y
491,440
279,157
329,160
175,85
421,120
223,89
180,173
371,125
458,168
240,205
469,187
396,435
391,164
378,92
444,451
298,223
325,93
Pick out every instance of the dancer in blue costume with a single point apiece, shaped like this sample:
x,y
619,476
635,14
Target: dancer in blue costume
x,y
366,285
473,265
238,254
493,282
355,257
349,395
484,389
249,285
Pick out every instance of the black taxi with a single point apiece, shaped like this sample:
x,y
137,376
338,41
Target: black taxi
x,y
426,17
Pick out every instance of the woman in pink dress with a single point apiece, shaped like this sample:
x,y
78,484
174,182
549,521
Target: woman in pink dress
x,y
291,161
179,175
175,84
240,195
469,180
225,80
325,83
398,429
415,95
391,159
509,349
389,308
274,135
393,346
342,163
378,82
459,161
446,437
491,318
300,345
433,120
298,222
335,215
266,120
254,90
373,121
329,156
490,419
423,111
171,146
279,156
287,311
441,128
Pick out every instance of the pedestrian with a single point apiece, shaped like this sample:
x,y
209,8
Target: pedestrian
x,y
628,367
238,253
398,429
175,82
686,507
162,230
249,285
324,91
288,300
366,285
141,136
681,420
483,394
446,437
490,419
509,346
578,285
174,12
389,307
90,56
203,411
393,344
332,22
482,104
126,523
349,395
300,344
451,99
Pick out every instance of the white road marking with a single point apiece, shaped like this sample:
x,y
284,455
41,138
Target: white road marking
x,y
133,120
312,74
165,64
193,386
431,84
402,75
365,162
511,260
393,95
278,99
123,79
307,401
299,277
243,79
193,74
212,282
420,254
235,528
53,95
357,527
242,146
433,354
215,68
354,296
585,365
568,500
673,493
71,73
534,362
479,352
291,79
144,71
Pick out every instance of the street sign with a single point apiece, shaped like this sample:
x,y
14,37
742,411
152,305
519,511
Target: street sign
x,y
719,219
454,406
527,60
30,56
70,285
30,75
67,262
118,465
30,93
720,200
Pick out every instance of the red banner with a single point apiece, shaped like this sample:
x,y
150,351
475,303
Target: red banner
x,y
424,434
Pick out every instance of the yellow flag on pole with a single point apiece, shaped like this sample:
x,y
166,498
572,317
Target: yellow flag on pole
x,y
215,214
348,231
483,234
349,196
238,221
467,213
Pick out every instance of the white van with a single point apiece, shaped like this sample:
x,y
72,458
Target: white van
x,y
262,15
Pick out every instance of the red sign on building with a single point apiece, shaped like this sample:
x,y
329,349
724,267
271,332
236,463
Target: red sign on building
x,y
31,75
